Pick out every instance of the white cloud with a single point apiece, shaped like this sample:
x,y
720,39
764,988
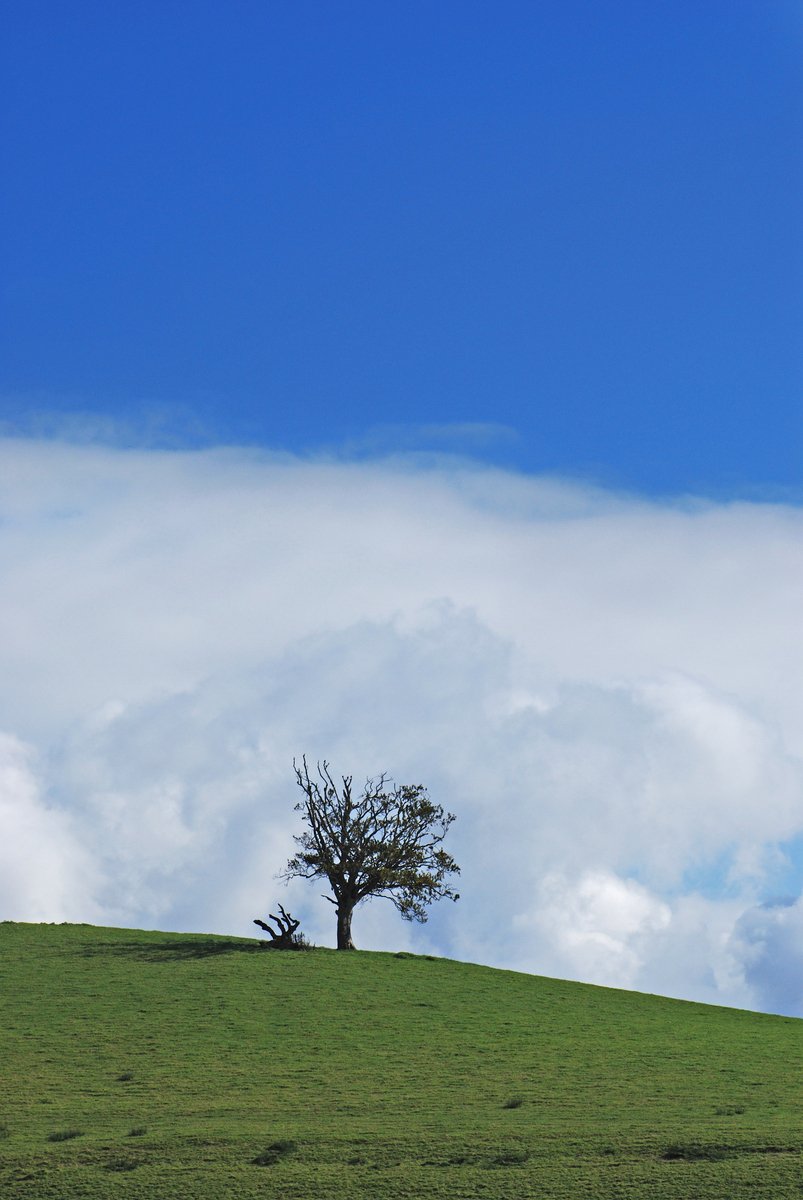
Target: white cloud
x,y
45,874
593,926
604,689
768,940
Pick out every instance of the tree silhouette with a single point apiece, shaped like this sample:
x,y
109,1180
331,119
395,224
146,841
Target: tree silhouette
x,y
387,841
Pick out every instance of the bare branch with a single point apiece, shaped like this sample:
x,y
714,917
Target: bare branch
x,y
286,938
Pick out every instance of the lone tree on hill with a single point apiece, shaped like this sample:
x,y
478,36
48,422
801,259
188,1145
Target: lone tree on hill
x,y
384,842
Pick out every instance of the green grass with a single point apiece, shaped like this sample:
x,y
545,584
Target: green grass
x,y
185,1067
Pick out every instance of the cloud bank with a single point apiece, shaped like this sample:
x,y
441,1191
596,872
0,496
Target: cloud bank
x,y
604,689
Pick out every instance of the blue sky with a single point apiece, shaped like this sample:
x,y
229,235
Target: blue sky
x,y
256,259
561,236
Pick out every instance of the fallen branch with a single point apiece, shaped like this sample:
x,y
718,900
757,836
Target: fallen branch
x,y
284,937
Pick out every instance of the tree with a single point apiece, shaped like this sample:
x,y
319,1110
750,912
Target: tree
x,y
385,842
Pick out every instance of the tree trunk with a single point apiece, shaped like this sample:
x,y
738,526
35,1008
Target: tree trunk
x,y
344,941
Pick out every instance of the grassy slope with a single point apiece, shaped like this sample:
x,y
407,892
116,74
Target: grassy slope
x,y
180,1059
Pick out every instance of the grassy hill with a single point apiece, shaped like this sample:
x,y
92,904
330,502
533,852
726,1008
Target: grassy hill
x,y
167,1065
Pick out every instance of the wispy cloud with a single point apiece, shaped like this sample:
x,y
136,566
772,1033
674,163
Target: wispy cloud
x,y
483,438
605,689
